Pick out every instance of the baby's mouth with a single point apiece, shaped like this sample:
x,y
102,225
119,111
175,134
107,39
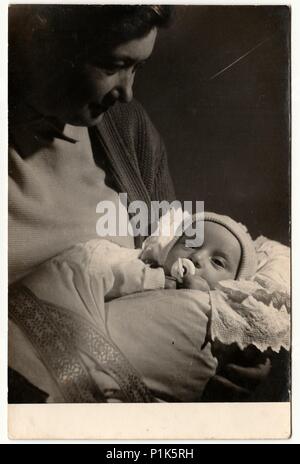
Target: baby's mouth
x,y
182,267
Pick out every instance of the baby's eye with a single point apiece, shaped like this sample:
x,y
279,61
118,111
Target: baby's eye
x,y
218,262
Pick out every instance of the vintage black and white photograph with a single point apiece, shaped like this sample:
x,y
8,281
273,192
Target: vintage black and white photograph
x,y
149,204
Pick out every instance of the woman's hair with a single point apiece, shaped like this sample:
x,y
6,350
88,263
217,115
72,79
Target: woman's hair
x,y
57,35
81,29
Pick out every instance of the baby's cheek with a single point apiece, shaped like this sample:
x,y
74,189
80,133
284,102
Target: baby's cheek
x,y
229,275
212,277
225,275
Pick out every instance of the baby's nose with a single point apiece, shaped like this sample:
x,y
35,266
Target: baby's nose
x,y
197,258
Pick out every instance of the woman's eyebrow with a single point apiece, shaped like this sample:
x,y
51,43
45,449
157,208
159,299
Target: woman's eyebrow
x,y
127,60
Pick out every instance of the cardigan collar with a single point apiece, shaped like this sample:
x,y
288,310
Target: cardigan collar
x,y
24,119
125,166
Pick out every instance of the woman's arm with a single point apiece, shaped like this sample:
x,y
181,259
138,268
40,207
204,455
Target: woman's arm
x,y
52,205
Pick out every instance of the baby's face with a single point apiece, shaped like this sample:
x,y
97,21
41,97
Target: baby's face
x,y
217,259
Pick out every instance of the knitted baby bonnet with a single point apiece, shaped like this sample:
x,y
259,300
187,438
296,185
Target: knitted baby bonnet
x,y
158,248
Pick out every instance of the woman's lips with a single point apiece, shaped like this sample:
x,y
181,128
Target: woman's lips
x,y
97,109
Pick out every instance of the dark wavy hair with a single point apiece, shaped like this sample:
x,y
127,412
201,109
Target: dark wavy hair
x,y
68,35
82,28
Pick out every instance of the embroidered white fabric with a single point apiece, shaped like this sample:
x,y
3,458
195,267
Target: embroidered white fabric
x,y
246,313
274,264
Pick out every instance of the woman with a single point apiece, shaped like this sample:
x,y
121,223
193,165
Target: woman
x,y
75,65
77,138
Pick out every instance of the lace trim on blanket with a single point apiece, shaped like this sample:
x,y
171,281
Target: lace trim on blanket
x,y
246,314
59,335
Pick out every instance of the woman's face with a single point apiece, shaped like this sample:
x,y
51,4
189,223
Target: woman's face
x,y
80,95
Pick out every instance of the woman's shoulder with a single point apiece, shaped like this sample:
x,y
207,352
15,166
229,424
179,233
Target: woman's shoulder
x,y
131,119
133,110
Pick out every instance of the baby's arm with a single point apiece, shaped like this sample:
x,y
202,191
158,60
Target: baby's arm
x,y
130,274
135,276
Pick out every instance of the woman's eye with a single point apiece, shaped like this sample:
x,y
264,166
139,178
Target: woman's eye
x,y
107,68
110,72
219,262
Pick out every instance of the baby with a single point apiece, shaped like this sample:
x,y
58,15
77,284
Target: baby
x,y
166,260
243,312
227,252
162,334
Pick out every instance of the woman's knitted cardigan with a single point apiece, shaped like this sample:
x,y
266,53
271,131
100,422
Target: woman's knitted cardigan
x,y
135,153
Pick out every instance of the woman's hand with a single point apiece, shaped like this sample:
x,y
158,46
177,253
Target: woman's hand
x,y
239,374
237,383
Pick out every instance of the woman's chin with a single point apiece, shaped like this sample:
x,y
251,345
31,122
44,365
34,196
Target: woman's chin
x,y
85,120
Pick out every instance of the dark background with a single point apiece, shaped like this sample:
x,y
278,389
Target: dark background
x,y
228,137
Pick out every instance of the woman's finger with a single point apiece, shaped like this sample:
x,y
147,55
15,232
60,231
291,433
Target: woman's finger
x,y
248,376
222,389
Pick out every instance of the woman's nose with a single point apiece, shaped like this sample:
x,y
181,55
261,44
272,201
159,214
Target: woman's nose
x,y
124,86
